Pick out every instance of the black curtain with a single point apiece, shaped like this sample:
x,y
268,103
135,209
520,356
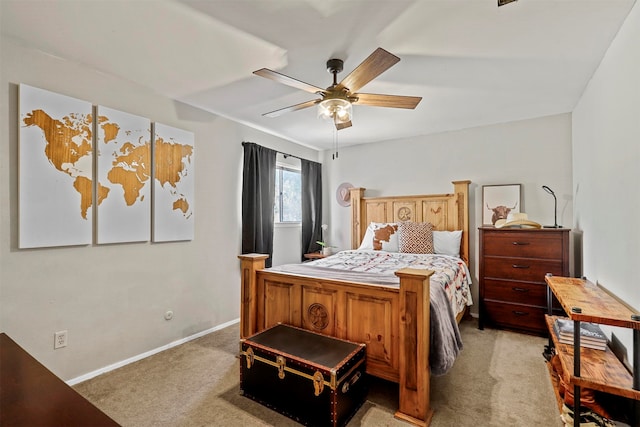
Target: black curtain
x,y
258,197
311,180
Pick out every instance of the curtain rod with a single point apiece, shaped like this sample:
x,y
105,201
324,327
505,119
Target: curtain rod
x,y
280,152
290,155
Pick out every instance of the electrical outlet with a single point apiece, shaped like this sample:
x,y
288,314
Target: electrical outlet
x,y
60,339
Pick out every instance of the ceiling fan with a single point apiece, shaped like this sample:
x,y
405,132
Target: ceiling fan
x,y
335,102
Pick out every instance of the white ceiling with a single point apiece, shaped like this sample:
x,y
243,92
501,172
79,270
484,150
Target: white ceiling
x,y
472,62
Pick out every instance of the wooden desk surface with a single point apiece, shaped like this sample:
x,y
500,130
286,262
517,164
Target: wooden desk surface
x,y
31,395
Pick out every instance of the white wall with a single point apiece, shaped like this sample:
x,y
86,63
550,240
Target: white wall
x,y
530,152
111,298
606,168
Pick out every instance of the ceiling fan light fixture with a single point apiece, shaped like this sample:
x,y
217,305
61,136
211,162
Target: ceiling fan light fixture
x,y
337,110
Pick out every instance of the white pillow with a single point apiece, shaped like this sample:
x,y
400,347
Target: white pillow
x,y
447,242
380,236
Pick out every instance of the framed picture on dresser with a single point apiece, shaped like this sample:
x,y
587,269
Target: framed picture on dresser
x,y
500,200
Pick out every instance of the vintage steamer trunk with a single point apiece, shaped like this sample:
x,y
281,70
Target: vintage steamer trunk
x,y
314,379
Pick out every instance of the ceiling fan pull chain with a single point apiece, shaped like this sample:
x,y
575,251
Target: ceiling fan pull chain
x,y
335,143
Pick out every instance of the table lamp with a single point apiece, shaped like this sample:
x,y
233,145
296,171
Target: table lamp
x,y
555,208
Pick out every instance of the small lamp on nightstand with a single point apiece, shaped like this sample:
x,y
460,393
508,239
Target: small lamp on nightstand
x,y
555,208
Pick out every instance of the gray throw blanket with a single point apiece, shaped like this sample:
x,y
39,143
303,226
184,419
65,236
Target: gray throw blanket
x,y
446,342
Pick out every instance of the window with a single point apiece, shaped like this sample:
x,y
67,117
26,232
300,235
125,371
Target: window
x,y
288,205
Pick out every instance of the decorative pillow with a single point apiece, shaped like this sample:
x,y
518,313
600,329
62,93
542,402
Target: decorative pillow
x,y
415,237
380,236
447,242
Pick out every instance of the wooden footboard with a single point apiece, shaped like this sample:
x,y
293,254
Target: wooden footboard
x,y
394,323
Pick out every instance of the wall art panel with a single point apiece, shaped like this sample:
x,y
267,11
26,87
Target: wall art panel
x,y
173,189
123,196
55,169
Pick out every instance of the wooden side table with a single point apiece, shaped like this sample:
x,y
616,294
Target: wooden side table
x,y
315,255
584,301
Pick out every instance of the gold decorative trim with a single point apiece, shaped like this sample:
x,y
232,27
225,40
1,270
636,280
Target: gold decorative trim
x,y
249,357
282,364
285,368
332,384
318,383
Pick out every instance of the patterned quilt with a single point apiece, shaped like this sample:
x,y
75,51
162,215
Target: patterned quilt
x,y
379,267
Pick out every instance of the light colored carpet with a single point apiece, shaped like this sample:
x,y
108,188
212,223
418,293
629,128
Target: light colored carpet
x,y
500,379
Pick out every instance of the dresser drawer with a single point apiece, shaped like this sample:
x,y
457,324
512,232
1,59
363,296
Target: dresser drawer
x,y
524,244
521,268
516,316
516,292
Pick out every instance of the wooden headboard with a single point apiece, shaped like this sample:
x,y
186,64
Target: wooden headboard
x,y
447,212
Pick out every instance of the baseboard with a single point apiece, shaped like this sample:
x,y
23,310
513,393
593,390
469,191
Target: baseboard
x,y
120,364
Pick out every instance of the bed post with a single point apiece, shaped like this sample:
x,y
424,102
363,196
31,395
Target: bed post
x,y
249,264
461,189
414,405
357,233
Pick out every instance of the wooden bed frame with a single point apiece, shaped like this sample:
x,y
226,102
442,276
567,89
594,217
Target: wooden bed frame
x,y
393,322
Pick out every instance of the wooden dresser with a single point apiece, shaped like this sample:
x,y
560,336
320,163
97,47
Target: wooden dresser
x,y
513,264
31,395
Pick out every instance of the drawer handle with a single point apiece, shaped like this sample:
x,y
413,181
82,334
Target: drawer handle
x,y
520,313
520,243
520,266
347,384
520,289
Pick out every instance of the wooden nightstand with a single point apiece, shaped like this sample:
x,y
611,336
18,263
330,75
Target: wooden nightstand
x,y
315,255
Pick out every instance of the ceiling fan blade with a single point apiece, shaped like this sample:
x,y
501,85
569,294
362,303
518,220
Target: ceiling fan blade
x,y
296,107
377,63
343,125
392,101
289,81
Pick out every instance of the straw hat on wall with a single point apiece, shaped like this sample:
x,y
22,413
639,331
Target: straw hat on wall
x,y
343,196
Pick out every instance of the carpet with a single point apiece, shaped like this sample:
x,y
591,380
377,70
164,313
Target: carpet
x,y
499,379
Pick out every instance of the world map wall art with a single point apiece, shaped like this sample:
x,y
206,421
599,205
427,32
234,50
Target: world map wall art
x,y
55,169
124,177
173,184
58,186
